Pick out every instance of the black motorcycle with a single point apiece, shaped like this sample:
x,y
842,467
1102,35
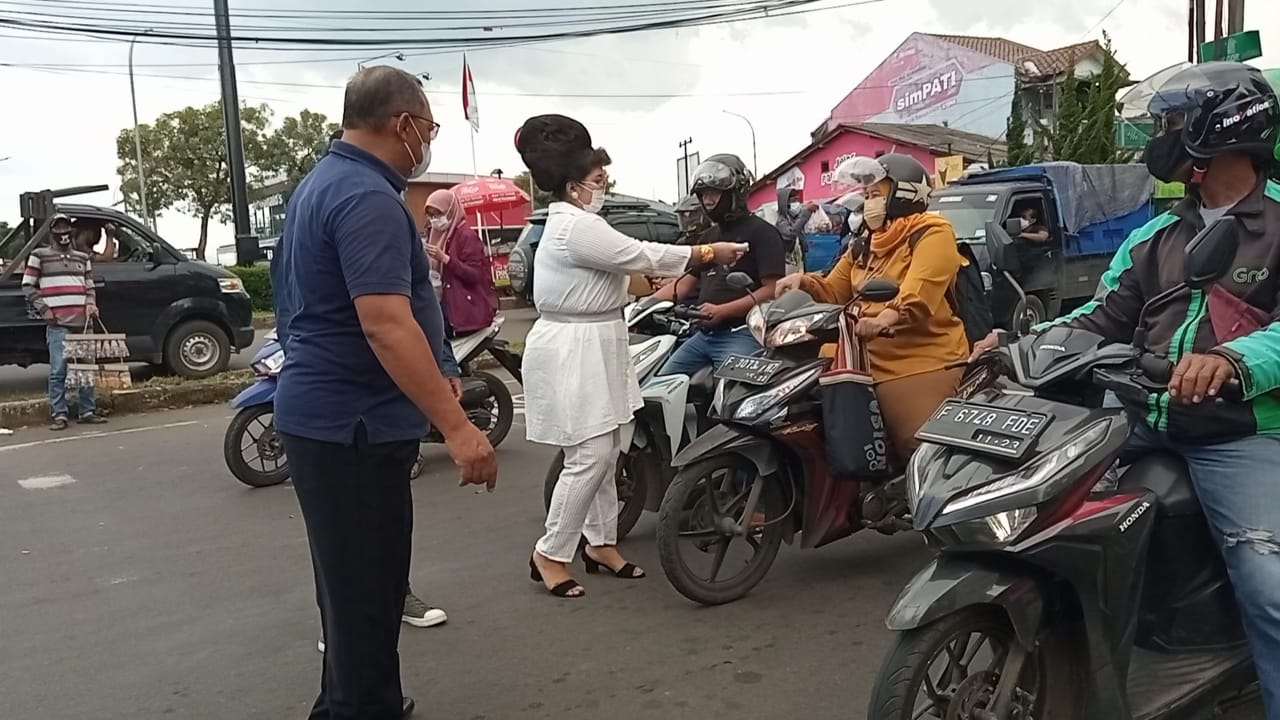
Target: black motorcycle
x,y
1054,596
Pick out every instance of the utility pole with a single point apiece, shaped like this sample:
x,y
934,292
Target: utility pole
x,y
246,243
684,147
752,128
1235,16
137,140
1198,10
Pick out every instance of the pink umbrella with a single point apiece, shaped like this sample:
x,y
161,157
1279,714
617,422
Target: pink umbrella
x,y
489,194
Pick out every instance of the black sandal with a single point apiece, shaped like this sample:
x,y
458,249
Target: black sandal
x,y
628,571
561,590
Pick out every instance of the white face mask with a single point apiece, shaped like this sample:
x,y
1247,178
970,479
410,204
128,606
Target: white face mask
x,y
440,223
419,166
1026,222
597,198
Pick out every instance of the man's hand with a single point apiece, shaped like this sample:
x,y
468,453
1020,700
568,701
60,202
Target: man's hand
x,y
874,327
719,314
1199,376
47,315
787,284
455,384
91,310
109,229
472,453
811,207
985,345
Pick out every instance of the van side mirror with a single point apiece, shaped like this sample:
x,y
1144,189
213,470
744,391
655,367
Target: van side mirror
x,y
1013,226
739,281
1211,253
879,290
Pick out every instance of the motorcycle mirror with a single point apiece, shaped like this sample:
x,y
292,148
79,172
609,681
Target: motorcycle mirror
x,y
879,290
1211,252
739,281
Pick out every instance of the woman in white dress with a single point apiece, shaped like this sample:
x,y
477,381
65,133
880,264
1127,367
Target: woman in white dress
x,y
580,386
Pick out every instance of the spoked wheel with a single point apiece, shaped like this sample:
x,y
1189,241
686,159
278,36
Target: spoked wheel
x,y
632,490
710,552
949,670
495,415
253,450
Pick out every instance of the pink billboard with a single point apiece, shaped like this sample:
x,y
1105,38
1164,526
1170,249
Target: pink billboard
x,y
929,80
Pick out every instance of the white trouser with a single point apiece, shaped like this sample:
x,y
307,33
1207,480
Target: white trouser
x,y
585,501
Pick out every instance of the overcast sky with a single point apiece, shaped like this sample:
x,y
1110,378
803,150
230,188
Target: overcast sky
x,y
785,74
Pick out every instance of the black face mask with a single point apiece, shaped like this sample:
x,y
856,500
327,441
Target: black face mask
x,y
1166,157
62,238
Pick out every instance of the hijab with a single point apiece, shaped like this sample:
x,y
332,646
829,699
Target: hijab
x,y
446,202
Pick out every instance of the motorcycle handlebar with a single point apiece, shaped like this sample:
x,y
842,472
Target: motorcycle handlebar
x,y
1160,371
687,312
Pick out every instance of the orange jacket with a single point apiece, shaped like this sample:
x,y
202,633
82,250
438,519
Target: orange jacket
x,y
929,335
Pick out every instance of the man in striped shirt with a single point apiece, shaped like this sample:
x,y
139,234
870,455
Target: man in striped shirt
x,y
58,282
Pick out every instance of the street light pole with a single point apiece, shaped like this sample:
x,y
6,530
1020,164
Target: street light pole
x,y
137,138
746,119
397,55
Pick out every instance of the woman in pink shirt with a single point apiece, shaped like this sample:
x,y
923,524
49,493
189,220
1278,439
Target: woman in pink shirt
x,y
460,268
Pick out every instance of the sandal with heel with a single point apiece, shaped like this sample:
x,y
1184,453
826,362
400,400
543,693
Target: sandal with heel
x,y
561,590
628,571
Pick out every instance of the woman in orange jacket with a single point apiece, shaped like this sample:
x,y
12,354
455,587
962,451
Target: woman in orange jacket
x,y
914,368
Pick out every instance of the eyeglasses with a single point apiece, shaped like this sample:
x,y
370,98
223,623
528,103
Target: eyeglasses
x,y
435,126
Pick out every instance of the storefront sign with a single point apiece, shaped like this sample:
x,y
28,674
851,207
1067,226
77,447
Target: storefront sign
x,y
919,93
829,176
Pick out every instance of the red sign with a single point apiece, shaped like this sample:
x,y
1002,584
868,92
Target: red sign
x,y
928,90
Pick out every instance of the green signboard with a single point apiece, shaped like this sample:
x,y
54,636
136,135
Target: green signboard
x,y
1134,134
1242,46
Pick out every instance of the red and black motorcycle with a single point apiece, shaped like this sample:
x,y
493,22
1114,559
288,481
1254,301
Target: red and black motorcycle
x,y
761,476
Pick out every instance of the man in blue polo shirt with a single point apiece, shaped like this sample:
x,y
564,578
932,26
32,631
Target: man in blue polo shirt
x,y
364,337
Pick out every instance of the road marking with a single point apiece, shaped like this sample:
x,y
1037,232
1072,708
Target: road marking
x,y
44,482
86,436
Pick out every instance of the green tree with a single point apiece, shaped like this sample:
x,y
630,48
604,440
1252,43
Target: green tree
x,y
542,199
294,147
1019,152
185,162
1084,129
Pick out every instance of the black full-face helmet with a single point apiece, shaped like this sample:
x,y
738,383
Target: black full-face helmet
x,y
692,216
1207,110
729,175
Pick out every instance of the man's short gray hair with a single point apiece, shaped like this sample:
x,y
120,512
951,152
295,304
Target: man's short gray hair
x,y
376,93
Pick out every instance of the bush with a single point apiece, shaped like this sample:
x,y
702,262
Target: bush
x,y
257,282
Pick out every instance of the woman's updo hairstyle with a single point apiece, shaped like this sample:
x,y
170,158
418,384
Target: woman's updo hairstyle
x,y
557,151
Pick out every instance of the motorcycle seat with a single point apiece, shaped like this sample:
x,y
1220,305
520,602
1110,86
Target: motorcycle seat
x,y
701,386
1164,474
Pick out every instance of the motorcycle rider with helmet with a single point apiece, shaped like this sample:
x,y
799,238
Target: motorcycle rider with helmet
x,y
1217,126
721,184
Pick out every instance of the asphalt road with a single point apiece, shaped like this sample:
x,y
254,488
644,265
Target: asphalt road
x,y
33,380
142,581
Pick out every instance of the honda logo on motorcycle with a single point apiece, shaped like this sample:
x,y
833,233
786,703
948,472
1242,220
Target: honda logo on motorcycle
x,y
1133,517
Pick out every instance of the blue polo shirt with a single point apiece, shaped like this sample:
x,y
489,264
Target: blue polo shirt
x,y
348,233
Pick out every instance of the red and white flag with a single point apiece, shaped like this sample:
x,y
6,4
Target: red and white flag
x,y
469,106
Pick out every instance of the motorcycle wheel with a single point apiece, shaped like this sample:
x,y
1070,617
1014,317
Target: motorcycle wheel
x,y
498,413
698,509
252,429
632,490
948,670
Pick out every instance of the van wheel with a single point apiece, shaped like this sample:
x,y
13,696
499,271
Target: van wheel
x,y
1032,310
197,349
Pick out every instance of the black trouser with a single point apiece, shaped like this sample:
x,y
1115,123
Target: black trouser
x,y
358,510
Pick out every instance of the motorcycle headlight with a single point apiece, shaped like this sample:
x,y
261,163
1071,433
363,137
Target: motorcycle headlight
x,y
793,331
270,364
1043,470
755,323
994,529
756,405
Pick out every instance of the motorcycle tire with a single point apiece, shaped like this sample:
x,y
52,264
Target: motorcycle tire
x,y
233,441
630,502
681,499
1056,664
505,408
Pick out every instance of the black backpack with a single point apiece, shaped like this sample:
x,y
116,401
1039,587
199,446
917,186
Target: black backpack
x,y
967,296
